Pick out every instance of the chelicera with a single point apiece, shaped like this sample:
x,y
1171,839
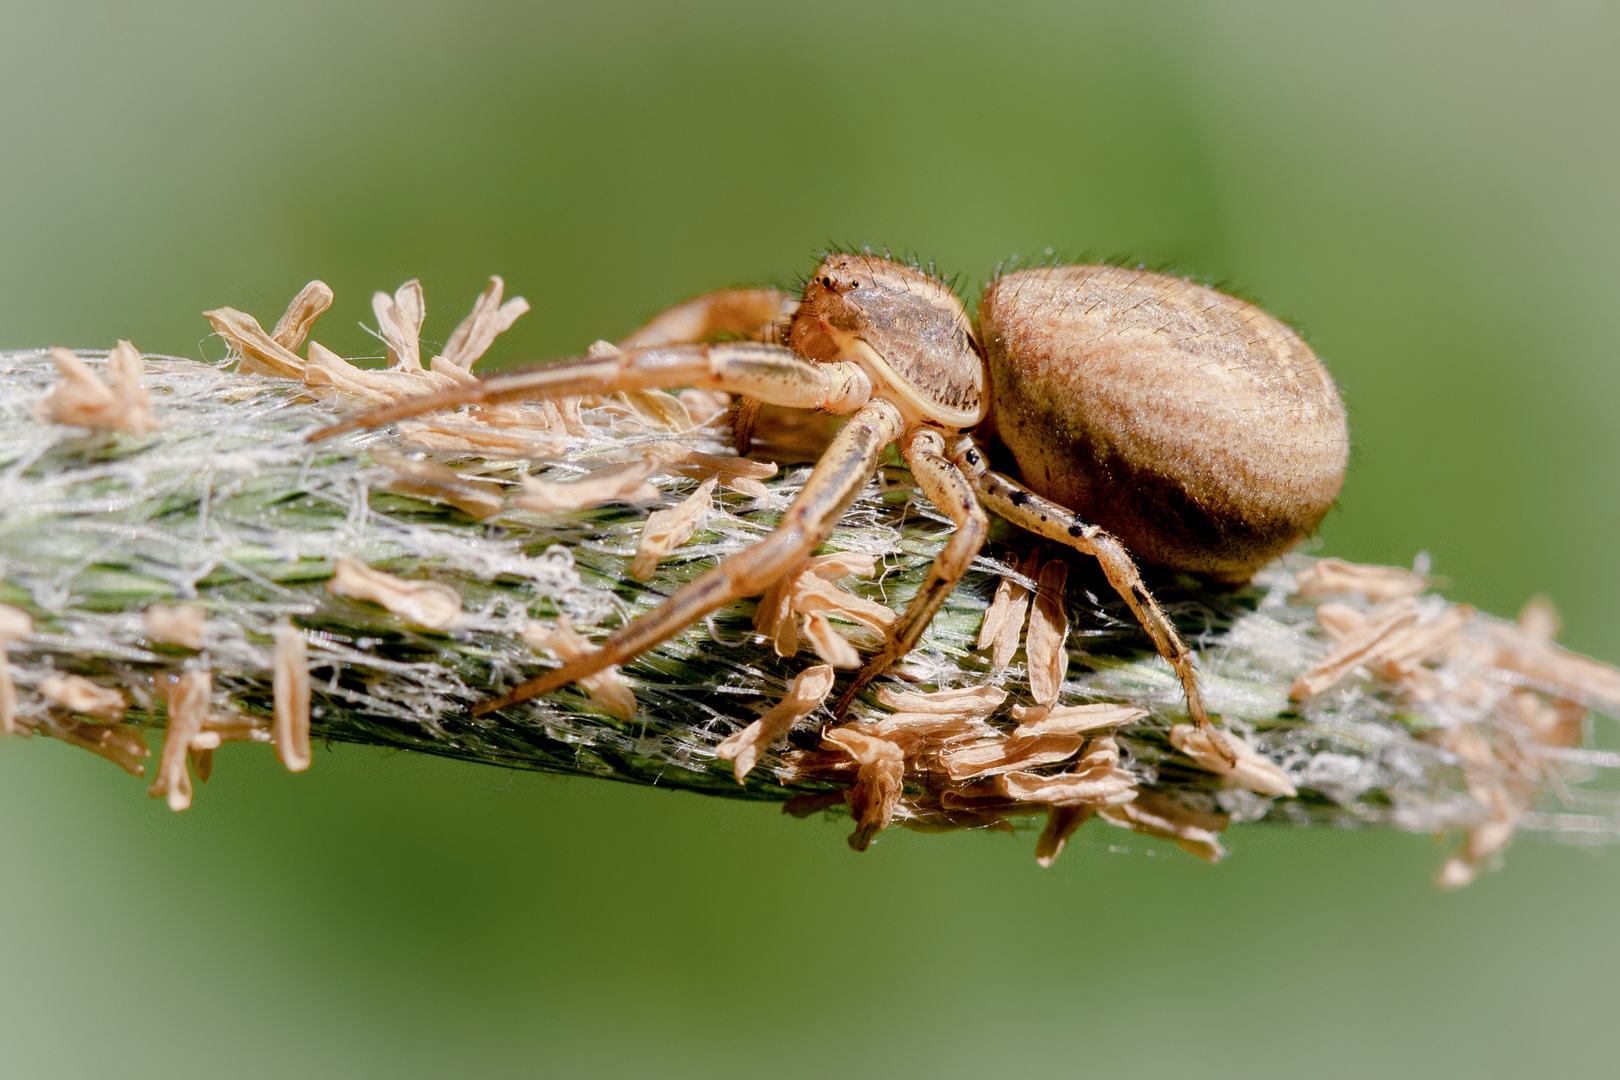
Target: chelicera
x,y
1145,415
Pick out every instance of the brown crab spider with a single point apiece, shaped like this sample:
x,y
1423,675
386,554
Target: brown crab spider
x,y
1145,414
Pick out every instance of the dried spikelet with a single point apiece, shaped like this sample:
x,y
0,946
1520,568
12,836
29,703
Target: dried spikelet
x,y
260,353
291,690
828,643
1490,783
620,483
326,368
456,374
1361,646
878,782
1098,785
489,319
1045,737
82,399
1377,583
1048,631
605,688
294,325
187,697
218,729
737,473
425,603
1004,622
928,725
8,698
1539,619
482,437
15,625
988,757
812,592
77,694
1072,719
1565,674
805,694
1339,620
120,744
968,701
399,322
1558,724
808,594
125,369
1251,770
1400,659
479,499
1061,823
668,529
1164,816
182,624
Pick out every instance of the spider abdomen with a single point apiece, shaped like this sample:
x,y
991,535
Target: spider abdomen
x,y
1200,430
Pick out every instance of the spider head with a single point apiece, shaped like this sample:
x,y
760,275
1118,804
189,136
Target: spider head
x,y
909,327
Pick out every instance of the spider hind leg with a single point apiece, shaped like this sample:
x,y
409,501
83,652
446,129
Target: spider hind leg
x,y
1011,500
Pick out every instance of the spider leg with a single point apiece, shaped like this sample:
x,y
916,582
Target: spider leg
x,y
948,489
772,373
1011,500
756,314
837,478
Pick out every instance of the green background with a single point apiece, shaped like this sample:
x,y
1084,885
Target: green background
x,y
1428,190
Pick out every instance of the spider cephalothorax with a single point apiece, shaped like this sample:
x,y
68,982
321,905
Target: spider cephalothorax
x,y
1145,413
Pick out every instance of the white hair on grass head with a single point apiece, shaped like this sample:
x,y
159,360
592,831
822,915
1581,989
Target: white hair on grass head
x,y
207,571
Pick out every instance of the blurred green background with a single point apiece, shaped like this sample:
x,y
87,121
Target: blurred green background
x,y
1428,190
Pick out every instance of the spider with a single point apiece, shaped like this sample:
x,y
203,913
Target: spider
x,y
1146,415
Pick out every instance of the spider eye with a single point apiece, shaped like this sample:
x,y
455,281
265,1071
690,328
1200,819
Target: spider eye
x,y
826,282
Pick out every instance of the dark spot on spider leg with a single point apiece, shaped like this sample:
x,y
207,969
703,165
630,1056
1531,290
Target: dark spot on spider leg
x,y
1019,498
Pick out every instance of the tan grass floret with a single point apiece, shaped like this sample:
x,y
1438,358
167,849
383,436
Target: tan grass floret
x,y
878,781
618,483
290,686
187,697
801,601
82,399
805,694
668,529
77,694
1250,770
427,604
1003,624
605,688
182,624
1048,632
15,625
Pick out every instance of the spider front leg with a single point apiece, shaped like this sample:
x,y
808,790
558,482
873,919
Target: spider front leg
x,y
757,314
834,483
1011,500
949,490
771,373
